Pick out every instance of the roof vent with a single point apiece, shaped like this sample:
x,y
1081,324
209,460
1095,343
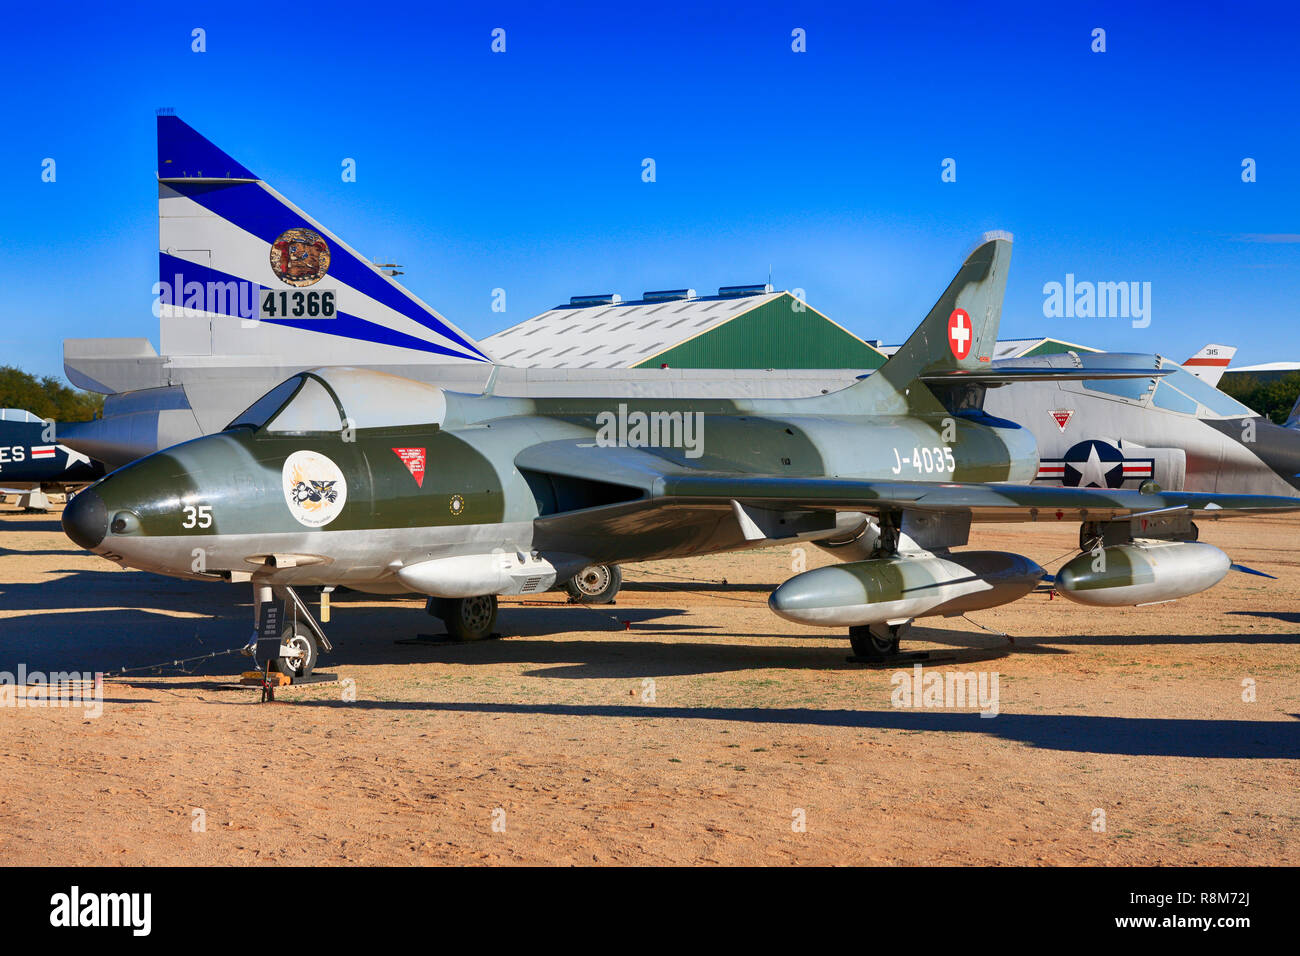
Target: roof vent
x,y
582,301
735,291
668,295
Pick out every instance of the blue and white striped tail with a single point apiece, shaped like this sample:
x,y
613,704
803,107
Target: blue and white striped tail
x,y
243,271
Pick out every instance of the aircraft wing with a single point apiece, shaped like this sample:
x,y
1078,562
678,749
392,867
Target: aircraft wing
x,y
997,375
656,481
984,502
661,514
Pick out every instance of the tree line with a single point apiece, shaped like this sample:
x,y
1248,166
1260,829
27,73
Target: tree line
x,y
47,397
1272,398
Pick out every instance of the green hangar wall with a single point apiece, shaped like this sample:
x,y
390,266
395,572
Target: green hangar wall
x,y
783,332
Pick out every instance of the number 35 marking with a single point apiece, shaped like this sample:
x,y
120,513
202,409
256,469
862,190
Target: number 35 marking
x,y
200,517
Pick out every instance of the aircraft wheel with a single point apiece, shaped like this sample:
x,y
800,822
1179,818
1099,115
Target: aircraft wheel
x,y
595,584
876,641
470,619
300,639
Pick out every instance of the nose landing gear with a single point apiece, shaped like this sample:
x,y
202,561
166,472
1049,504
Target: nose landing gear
x,y
298,652
301,637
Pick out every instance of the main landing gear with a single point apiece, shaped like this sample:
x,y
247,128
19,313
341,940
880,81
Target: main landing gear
x,y
595,584
467,619
877,642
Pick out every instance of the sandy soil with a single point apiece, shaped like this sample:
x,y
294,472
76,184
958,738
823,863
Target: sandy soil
x,y
549,747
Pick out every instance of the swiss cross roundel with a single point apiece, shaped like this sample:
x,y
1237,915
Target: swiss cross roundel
x,y
960,333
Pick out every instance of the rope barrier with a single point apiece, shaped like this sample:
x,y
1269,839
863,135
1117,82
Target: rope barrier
x,y
178,663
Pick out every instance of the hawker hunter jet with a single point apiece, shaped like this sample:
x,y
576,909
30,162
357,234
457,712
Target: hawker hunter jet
x,y
345,476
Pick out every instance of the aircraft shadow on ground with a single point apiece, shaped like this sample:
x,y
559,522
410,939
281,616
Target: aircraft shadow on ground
x,y
108,620
1288,617
127,620
1156,640
1130,736
8,523
65,553
642,650
649,587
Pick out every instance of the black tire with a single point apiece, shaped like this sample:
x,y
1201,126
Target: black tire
x,y
595,584
1090,534
875,641
301,637
470,619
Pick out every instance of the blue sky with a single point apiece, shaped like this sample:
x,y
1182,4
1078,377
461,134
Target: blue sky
x,y
522,170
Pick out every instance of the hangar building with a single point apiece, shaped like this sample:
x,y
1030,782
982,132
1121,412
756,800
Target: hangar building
x,y
742,327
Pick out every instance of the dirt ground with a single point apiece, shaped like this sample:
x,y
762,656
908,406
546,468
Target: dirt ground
x,y
685,724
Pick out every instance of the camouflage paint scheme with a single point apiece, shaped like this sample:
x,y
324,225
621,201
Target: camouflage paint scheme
x,y
527,477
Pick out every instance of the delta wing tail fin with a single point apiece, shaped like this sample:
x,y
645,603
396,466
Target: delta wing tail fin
x,y
226,239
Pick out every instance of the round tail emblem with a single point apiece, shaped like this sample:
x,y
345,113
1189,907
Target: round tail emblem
x,y
300,257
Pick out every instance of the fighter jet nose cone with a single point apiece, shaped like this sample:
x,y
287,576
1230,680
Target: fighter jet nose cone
x,y
85,519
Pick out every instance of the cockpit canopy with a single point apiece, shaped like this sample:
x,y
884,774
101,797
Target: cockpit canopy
x,y
328,399
1177,391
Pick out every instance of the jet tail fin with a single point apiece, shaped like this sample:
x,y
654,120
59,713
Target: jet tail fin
x,y
1210,362
225,238
34,456
957,335
1293,420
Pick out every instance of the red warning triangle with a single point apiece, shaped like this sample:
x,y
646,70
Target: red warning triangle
x,y
413,458
1062,416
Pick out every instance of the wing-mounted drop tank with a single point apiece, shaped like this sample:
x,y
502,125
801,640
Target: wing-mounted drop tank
x,y
471,575
892,589
1142,572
